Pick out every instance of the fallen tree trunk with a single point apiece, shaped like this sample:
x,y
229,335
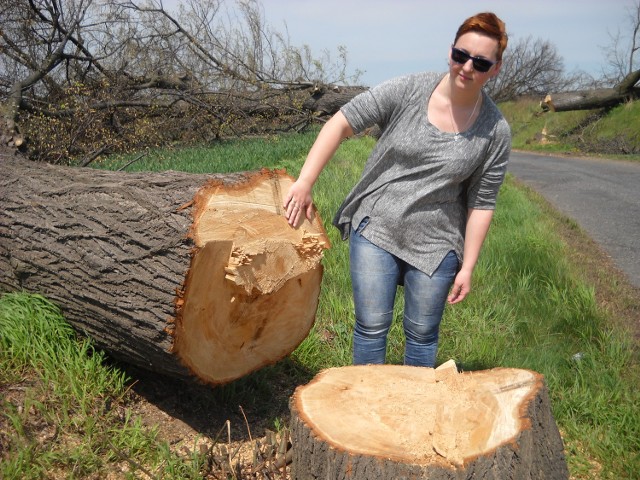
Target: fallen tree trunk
x,y
593,99
176,273
390,421
587,99
326,100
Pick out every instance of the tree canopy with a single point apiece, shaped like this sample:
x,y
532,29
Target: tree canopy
x,y
86,77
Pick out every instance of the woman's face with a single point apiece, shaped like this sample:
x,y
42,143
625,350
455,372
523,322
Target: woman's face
x,y
474,44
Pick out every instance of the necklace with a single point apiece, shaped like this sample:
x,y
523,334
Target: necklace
x,y
453,123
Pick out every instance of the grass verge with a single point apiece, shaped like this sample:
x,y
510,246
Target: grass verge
x,y
613,133
535,305
62,413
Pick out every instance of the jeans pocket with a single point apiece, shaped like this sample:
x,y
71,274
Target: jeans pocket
x,y
449,265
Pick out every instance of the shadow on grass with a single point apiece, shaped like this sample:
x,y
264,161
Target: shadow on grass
x,y
251,404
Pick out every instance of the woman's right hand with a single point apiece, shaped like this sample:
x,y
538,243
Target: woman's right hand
x,y
298,202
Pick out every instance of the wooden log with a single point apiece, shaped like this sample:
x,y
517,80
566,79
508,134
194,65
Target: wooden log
x,y
176,273
393,421
325,100
595,98
586,99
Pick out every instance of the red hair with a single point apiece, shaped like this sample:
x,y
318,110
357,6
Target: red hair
x,y
486,24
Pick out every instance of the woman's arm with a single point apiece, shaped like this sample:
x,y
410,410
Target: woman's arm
x,y
298,199
478,223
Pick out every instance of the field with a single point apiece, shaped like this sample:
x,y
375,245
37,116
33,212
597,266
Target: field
x,y
543,300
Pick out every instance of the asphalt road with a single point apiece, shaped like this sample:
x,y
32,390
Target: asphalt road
x,y
602,196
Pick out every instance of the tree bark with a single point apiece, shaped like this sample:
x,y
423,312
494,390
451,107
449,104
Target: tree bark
x,y
390,421
176,273
327,101
593,99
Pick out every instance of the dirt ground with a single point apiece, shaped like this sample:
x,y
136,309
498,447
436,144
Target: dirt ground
x,y
242,425
185,412
180,414
234,422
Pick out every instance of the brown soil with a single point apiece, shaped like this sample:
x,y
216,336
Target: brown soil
x,y
185,412
233,422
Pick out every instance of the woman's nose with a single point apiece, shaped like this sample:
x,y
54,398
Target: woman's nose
x,y
468,65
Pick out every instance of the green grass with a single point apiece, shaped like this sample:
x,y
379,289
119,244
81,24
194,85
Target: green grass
x,y
61,412
527,125
613,134
530,308
620,128
223,157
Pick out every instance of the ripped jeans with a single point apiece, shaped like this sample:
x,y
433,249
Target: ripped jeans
x,y
375,275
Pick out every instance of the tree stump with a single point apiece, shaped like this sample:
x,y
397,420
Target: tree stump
x,y
173,272
400,422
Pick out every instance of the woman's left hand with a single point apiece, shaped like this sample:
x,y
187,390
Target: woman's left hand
x,y
461,287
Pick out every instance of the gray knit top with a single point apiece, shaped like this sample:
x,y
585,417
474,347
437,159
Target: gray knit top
x,y
419,182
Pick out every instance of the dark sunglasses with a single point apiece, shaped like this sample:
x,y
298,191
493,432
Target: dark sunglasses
x,y
479,64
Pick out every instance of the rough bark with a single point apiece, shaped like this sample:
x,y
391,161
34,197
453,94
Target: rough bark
x,y
173,272
593,99
326,100
389,421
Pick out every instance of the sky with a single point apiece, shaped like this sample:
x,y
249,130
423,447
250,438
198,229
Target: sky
x,y
386,38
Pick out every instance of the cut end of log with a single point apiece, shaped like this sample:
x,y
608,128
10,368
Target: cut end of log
x,y
416,417
547,104
251,294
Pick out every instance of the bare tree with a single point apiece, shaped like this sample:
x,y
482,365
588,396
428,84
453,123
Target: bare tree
x,y
621,53
81,78
620,80
529,67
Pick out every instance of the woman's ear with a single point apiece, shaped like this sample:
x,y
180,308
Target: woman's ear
x,y
496,69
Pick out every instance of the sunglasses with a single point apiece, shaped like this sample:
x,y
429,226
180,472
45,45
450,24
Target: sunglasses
x,y
479,64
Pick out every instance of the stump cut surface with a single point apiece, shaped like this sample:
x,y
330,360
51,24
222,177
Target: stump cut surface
x,y
394,421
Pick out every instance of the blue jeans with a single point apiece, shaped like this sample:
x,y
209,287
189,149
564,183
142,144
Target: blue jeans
x,y
375,275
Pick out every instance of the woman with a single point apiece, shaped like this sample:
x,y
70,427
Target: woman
x,y
421,210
